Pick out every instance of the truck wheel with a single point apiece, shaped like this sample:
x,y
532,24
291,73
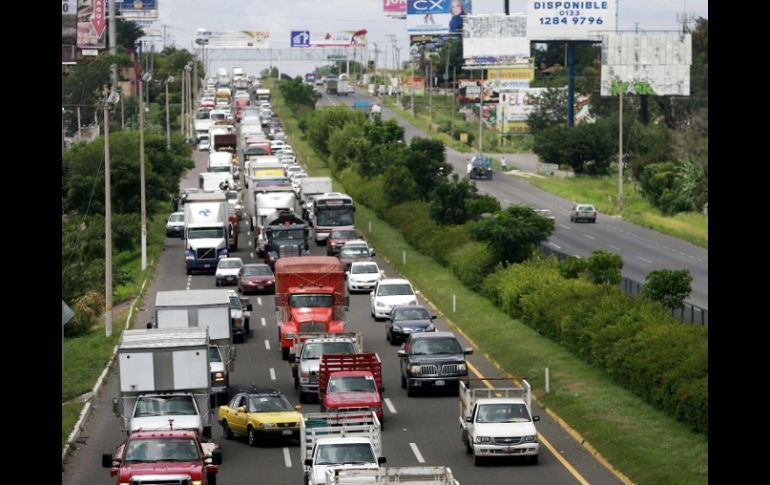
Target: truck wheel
x,y
532,460
302,397
403,382
189,271
468,447
285,354
410,391
296,383
207,432
211,478
477,460
226,431
252,437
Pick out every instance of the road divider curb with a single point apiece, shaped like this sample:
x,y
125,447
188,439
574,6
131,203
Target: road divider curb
x,y
77,429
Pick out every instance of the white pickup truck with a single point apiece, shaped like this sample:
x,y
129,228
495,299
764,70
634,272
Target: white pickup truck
x,y
339,441
498,422
415,475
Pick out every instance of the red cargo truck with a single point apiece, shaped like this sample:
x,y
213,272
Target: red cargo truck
x,y
310,297
351,382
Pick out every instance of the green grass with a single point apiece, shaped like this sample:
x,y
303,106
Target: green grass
x,y
131,261
603,193
70,413
642,442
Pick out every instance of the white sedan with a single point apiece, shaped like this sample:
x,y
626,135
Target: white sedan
x,y
390,292
363,276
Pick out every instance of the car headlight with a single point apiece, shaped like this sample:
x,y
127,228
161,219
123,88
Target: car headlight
x,y
462,368
382,305
189,255
305,374
267,425
222,253
431,328
196,482
530,439
413,302
238,322
290,335
397,328
414,369
483,439
270,282
219,376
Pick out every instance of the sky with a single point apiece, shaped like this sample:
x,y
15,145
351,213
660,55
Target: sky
x,y
183,17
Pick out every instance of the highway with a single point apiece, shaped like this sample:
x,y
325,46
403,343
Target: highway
x,y
643,250
416,430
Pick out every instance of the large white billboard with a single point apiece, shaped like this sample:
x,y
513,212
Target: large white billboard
x,y
436,16
498,39
242,39
563,20
646,64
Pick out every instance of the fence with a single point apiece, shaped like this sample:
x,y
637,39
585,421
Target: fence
x,y
687,313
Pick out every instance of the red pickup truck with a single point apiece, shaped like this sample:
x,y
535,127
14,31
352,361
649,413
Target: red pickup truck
x,y
351,382
173,455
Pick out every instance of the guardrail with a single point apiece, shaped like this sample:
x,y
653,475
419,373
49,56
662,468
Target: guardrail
x,y
687,313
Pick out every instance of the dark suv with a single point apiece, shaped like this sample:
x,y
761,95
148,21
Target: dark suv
x,y
432,360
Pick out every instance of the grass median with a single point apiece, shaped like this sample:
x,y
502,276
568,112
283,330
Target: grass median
x,y
642,442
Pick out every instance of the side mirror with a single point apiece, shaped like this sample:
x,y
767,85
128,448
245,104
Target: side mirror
x,y
433,317
371,293
249,307
381,460
308,462
292,358
241,409
149,324
402,353
115,410
107,460
417,292
535,418
468,419
468,351
216,456
298,408
373,254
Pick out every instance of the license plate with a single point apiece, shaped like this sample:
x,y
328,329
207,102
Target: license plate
x,y
440,383
286,432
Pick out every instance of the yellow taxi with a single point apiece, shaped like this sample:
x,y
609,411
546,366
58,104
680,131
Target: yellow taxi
x,y
260,414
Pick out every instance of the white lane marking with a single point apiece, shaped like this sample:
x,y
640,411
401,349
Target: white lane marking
x,y
589,237
267,344
249,243
286,457
259,300
272,374
645,260
389,404
252,255
614,247
263,321
417,453
554,245
248,233
564,226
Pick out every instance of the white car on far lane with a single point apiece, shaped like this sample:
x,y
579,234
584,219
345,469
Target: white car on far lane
x,y
390,292
363,275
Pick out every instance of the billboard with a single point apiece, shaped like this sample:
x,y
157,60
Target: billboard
x,y
436,16
655,64
69,21
394,8
137,9
339,39
92,24
496,39
426,43
563,20
416,83
515,107
238,39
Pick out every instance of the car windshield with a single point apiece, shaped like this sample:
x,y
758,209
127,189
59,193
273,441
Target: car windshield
x,y
436,346
343,235
395,289
235,303
257,271
214,355
411,314
364,269
311,301
267,404
335,217
166,449
353,252
352,384
502,413
176,218
220,169
288,234
206,233
165,406
314,350
353,453
586,208
231,195
230,264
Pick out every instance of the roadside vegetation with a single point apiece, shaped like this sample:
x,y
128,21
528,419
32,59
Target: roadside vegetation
x,y
487,255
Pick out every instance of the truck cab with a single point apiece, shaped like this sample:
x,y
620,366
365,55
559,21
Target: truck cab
x,y
306,358
354,390
174,456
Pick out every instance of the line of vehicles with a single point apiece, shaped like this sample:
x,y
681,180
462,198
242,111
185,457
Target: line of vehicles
x,y
174,375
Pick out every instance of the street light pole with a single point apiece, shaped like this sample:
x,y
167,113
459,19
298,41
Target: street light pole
x,y
168,124
146,78
112,99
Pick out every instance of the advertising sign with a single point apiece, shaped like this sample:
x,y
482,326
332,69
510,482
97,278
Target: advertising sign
x,y
300,38
564,20
342,38
92,24
242,39
69,20
426,43
137,9
310,77
496,38
515,107
655,64
436,16
416,84
394,8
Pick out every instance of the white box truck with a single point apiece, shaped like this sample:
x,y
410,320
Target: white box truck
x,y
333,441
206,230
310,187
265,204
163,379
202,309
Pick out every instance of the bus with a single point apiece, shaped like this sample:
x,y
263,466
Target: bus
x,y
331,210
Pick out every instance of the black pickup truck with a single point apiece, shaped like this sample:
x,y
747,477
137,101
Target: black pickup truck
x,y
432,360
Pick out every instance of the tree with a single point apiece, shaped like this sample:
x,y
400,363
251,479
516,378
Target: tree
x,y
587,148
604,268
320,124
426,160
572,267
399,184
647,145
127,33
671,186
298,95
456,201
550,109
513,233
669,287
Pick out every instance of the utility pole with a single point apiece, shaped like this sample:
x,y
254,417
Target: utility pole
x,y
452,113
80,137
430,94
111,99
620,154
146,78
112,45
182,118
168,123
411,88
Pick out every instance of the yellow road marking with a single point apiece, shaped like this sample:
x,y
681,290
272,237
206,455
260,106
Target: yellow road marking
x,y
540,436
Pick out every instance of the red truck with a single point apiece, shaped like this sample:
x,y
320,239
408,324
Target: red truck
x,y
310,297
175,456
351,382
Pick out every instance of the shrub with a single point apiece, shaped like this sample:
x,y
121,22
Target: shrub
x,y
471,263
572,267
87,310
